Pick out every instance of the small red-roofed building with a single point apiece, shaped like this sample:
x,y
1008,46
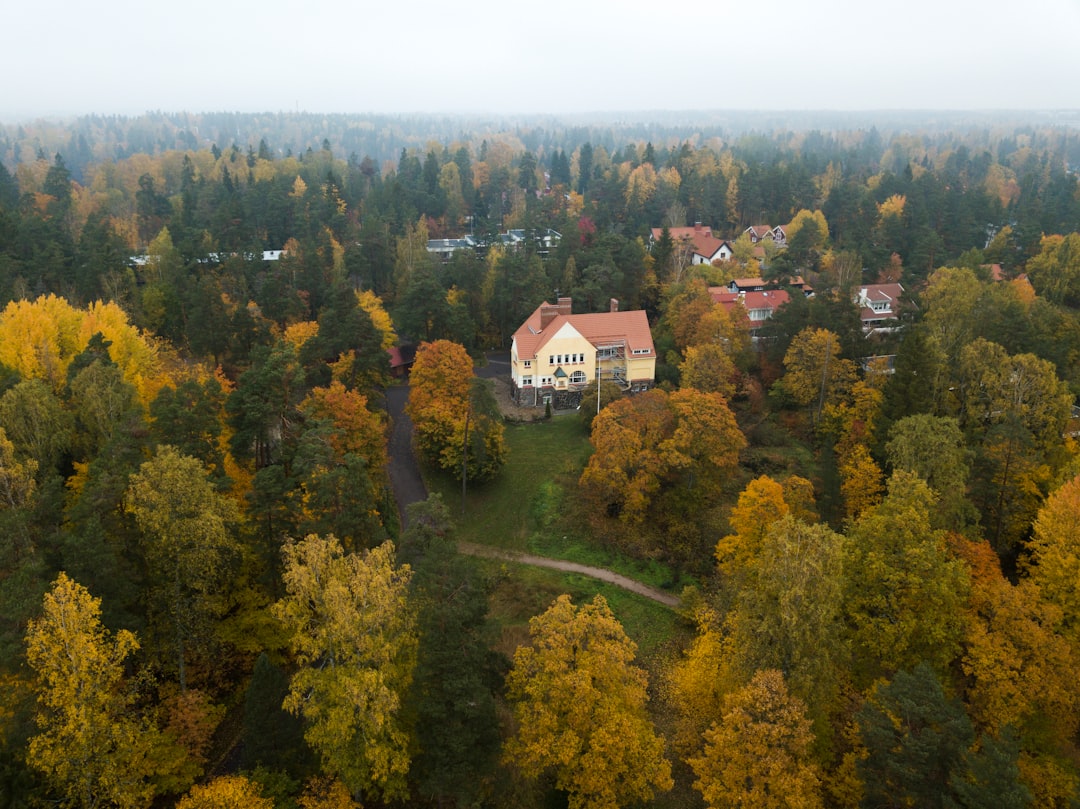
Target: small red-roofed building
x,y
555,354
759,305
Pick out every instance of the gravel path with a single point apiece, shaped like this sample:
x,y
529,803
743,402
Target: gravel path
x,y
409,488
487,552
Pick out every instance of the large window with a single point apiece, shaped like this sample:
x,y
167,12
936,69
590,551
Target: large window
x,y
577,378
526,381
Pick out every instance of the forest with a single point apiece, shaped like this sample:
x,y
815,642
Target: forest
x,y
209,598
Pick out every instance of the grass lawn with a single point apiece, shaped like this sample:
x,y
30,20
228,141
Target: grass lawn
x,y
499,512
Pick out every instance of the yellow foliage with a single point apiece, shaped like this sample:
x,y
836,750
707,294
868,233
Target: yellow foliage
x,y
1051,785
353,635
326,793
40,338
893,206
226,792
299,333
90,747
861,481
758,753
760,505
699,681
380,318
579,702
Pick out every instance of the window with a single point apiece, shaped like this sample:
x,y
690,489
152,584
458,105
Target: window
x,y
526,381
528,363
545,380
642,351
551,359
577,378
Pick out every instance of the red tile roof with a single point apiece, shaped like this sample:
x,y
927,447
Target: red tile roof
x,y
599,328
771,299
708,246
682,233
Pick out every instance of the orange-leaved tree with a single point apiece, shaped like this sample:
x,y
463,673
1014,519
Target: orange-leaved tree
x,y
454,413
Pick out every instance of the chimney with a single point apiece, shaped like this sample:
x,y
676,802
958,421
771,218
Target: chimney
x,y
547,314
697,226
565,306
613,305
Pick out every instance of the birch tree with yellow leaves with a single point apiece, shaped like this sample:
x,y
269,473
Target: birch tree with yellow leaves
x,y
92,749
353,636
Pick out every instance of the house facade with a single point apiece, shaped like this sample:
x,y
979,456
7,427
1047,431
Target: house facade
x,y
555,354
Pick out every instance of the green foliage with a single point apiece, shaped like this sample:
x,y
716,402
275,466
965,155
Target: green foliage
x,y
272,736
456,673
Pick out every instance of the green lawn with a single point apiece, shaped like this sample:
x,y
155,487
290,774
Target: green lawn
x,y
500,512
523,510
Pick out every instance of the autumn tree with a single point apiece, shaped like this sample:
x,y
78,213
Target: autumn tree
x,y
1018,662
757,754
340,462
933,448
187,529
92,747
1013,408
579,704
444,403
787,613
697,683
659,459
609,392
646,442
709,369
904,590
1055,271
816,374
861,483
760,504
226,792
1053,561
352,633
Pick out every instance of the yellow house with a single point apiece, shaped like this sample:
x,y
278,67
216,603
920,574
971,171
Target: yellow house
x,y
555,354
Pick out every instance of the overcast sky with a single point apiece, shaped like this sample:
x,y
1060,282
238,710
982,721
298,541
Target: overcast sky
x,y
562,56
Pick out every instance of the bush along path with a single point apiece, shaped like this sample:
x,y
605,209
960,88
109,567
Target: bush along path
x,y
409,487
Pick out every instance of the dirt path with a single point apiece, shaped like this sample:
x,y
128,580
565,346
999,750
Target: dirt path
x,y
409,488
487,552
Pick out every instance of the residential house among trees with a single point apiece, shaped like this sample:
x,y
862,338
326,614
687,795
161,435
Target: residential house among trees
x,y
759,304
879,307
703,247
555,354
759,233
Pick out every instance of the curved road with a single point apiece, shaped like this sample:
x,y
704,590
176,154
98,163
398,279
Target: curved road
x,y
409,488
